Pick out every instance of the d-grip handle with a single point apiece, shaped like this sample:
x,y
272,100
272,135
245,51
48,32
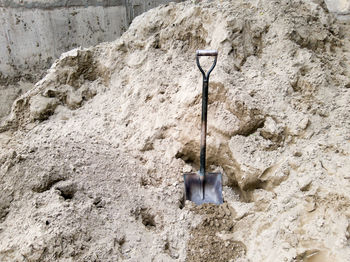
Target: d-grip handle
x,y
206,53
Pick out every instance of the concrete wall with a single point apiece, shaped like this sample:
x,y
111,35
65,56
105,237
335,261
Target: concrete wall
x,y
30,39
34,33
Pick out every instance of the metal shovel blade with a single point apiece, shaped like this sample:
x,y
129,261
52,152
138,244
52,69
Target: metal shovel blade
x,y
212,188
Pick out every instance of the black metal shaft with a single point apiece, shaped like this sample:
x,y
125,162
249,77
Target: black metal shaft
x,y
204,127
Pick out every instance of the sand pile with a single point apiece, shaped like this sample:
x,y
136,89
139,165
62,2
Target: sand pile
x,y
92,157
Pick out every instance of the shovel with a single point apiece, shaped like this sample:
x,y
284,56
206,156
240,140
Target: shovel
x,y
202,187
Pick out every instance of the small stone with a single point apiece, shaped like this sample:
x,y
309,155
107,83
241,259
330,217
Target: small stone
x,y
310,206
298,154
304,123
305,184
97,200
101,204
187,169
217,224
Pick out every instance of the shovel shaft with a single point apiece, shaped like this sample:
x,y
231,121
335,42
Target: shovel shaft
x,y
204,128
203,136
202,157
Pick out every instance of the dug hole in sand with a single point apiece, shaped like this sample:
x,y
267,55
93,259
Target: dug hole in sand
x,y
92,157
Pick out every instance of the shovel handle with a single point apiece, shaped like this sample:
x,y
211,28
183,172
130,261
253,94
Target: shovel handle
x,y
202,156
207,53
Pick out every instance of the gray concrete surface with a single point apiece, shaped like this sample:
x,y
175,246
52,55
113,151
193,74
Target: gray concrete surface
x,y
50,4
34,33
31,39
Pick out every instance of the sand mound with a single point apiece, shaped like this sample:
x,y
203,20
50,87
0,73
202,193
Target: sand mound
x,y
93,155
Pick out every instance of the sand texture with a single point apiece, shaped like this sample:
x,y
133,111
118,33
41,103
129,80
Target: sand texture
x,y
92,157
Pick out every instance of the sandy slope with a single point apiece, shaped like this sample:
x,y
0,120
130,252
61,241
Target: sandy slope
x,y
93,155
